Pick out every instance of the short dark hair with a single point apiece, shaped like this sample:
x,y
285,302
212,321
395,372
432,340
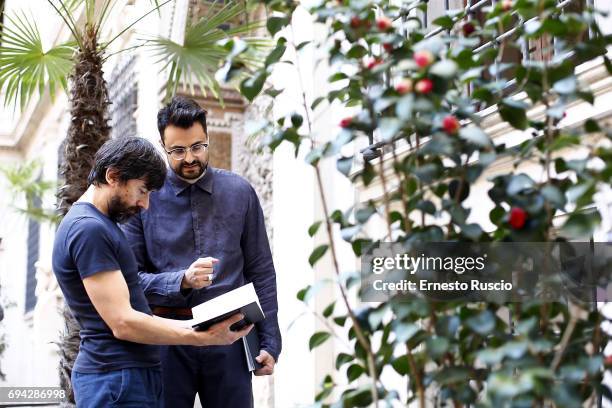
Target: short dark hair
x,y
181,112
132,158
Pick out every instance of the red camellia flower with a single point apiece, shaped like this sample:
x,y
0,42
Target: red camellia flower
x,y
423,58
424,86
450,124
384,23
346,122
372,62
355,22
468,28
518,217
404,86
388,47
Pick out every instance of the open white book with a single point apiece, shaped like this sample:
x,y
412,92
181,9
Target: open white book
x,y
240,300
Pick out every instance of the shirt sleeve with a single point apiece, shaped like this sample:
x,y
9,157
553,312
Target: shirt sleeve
x,y
160,288
259,269
91,247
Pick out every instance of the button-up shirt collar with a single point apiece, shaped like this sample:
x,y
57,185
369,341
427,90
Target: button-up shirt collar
x,y
179,185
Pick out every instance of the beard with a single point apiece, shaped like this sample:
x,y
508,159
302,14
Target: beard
x,y
119,211
192,171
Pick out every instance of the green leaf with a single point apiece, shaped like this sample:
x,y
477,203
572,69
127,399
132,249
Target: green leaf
x,y
472,231
553,195
251,87
608,64
317,339
354,371
427,206
489,356
329,309
375,316
405,331
586,96
348,233
447,326
357,51
313,156
340,320
342,359
444,69
532,27
445,22
403,108
518,183
437,346
475,135
317,101
483,323
564,141
401,366
514,113
566,86
273,92
296,120
363,214
277,53
361,397
302,45
591,126
434,44
581,225
328,386
514,349
302,293
317,254
338,76
471,74
344,165
388,128
275,24
312,230
497,214
452,375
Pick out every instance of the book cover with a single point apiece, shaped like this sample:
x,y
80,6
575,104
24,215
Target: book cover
x,y
241,300
251,349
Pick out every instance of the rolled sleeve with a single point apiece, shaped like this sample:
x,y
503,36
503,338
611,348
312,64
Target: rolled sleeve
x,y
164,288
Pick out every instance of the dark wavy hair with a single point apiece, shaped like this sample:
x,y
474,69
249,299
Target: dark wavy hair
x,y
180,112
132,158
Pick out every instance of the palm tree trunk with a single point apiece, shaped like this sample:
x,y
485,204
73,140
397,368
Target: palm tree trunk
x,y
87,132
69,348
89,116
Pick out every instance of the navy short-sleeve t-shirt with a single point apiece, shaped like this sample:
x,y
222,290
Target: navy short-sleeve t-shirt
x,y
88,242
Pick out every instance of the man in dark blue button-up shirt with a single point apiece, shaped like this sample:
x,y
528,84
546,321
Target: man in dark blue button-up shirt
x,y
202,236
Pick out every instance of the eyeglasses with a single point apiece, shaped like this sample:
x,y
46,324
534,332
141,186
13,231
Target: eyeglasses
x,y
180,153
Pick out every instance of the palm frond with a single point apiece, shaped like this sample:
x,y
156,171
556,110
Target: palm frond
x,y
25,67
133,23
70,5
196,60
24,180
65,10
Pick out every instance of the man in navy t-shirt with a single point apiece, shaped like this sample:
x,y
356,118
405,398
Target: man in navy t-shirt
x,y
118,362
